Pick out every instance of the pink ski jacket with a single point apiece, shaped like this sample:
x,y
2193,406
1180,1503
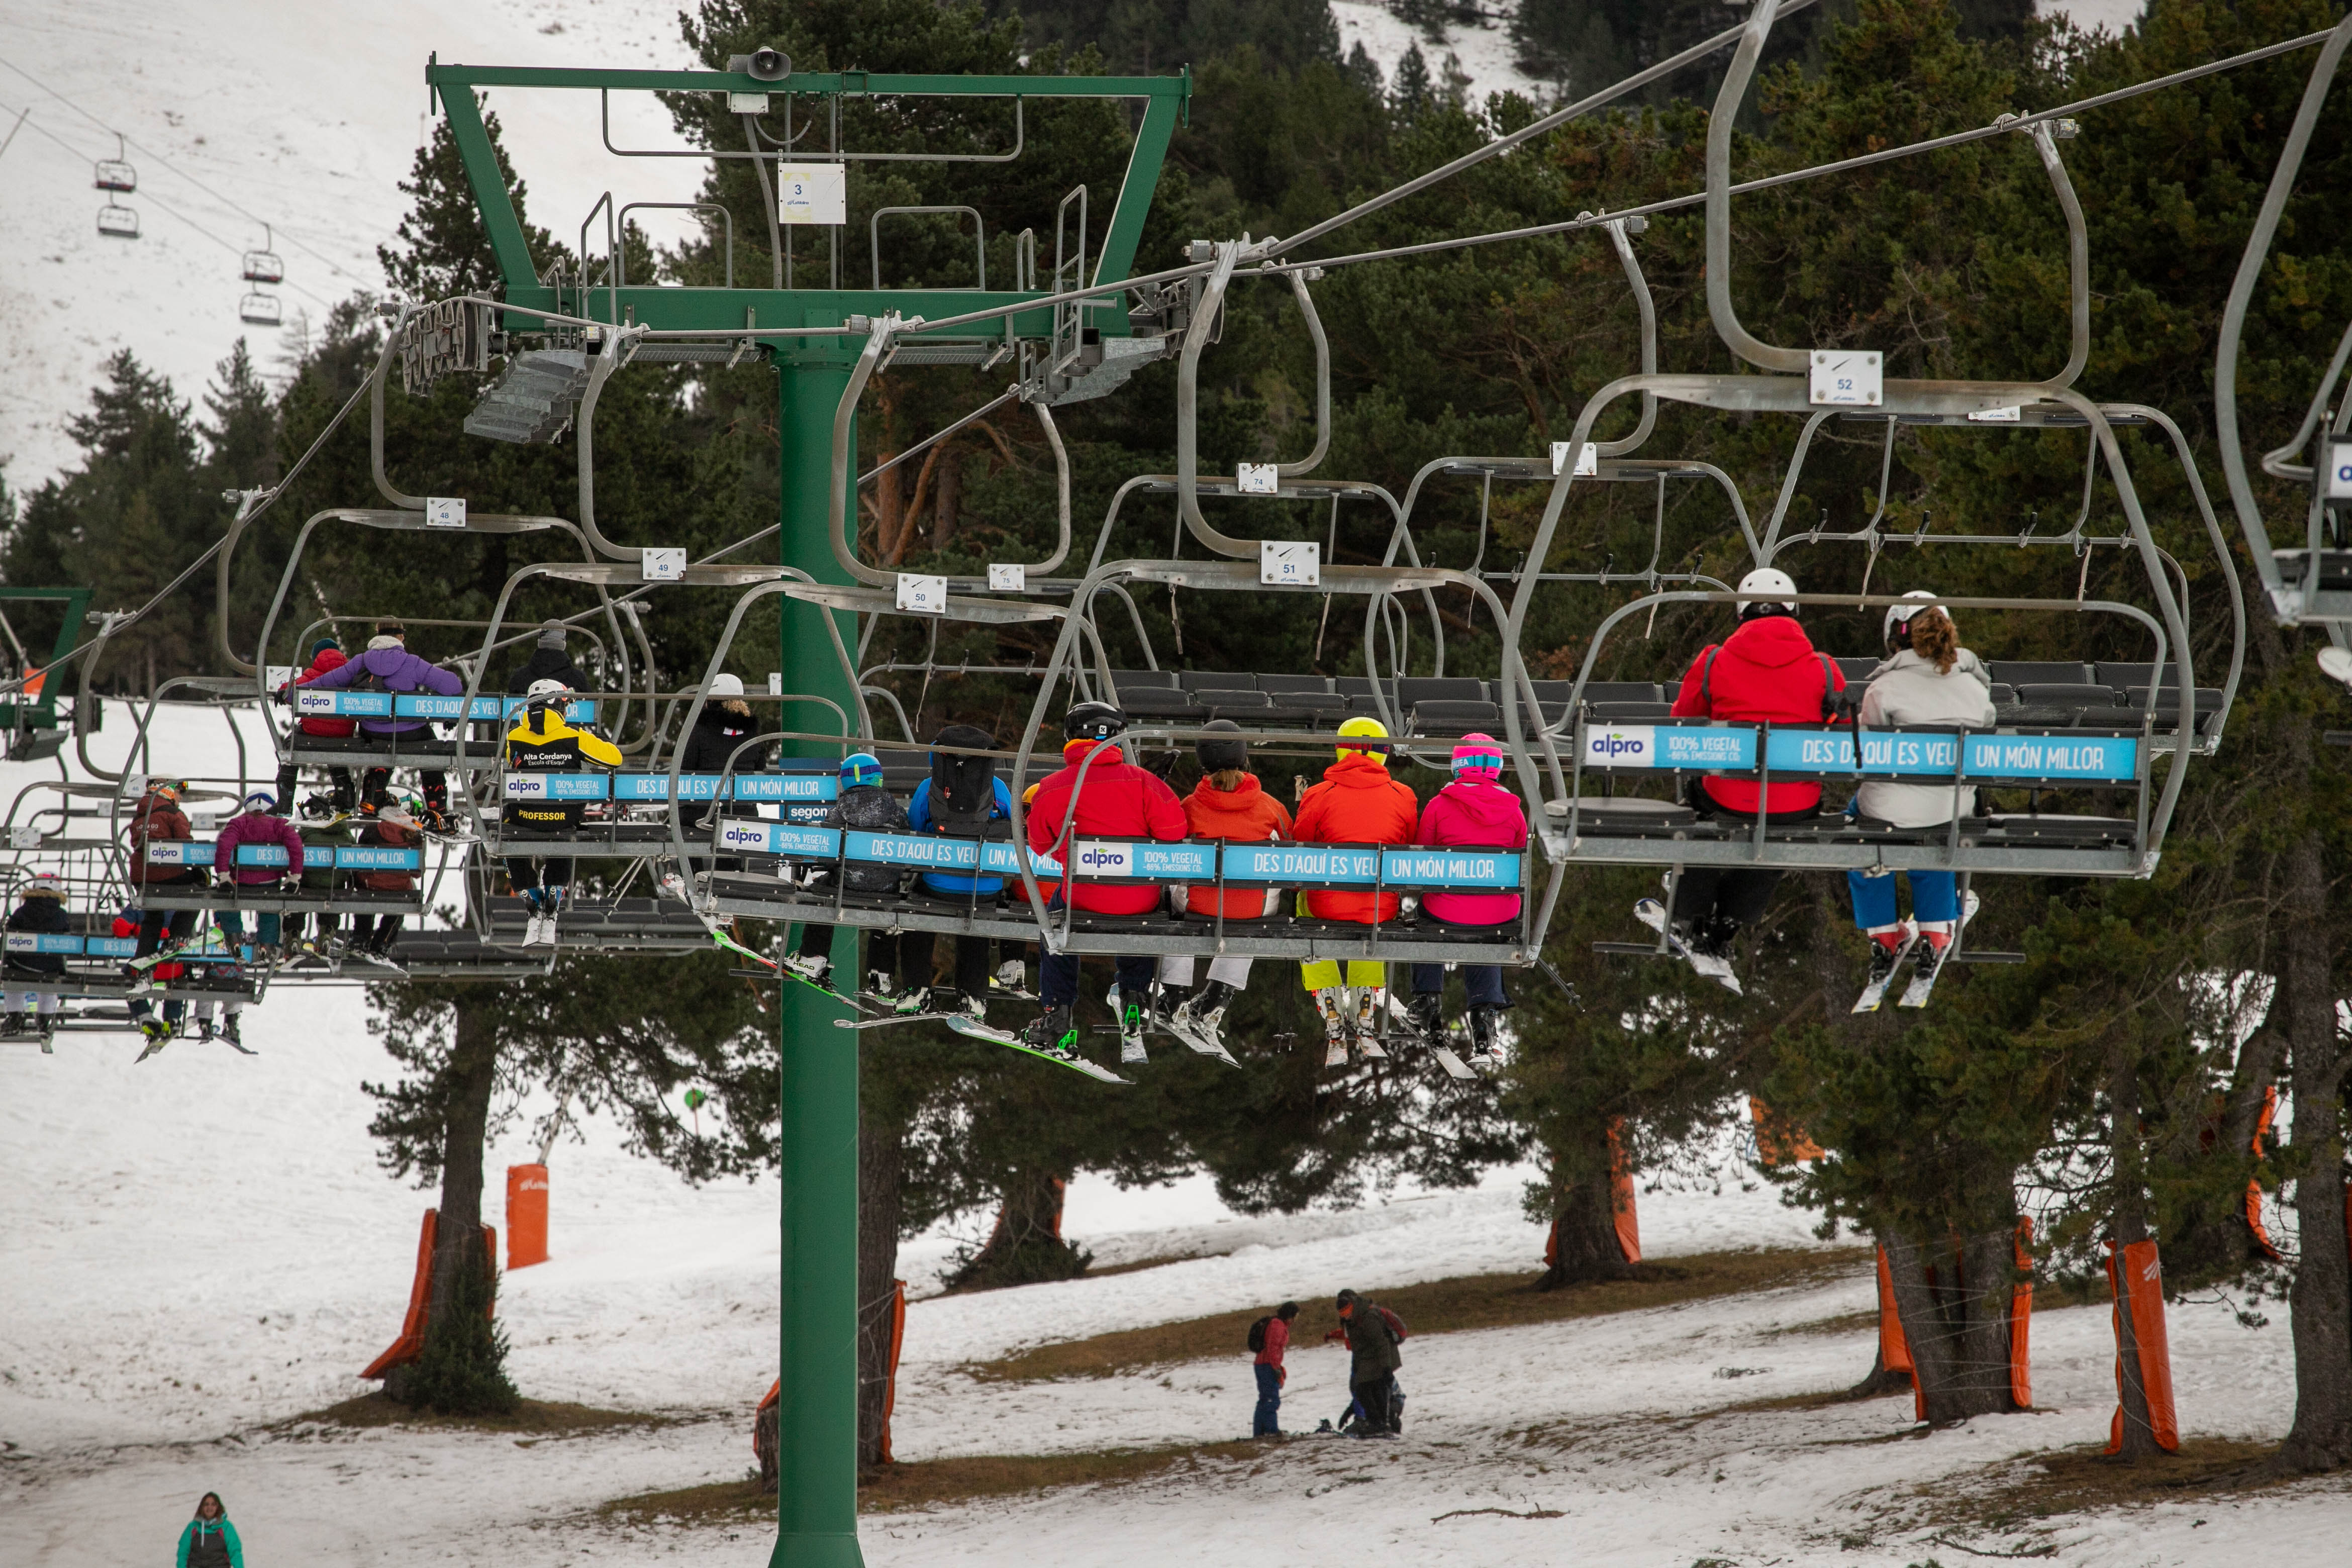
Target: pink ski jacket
x,y
1484,815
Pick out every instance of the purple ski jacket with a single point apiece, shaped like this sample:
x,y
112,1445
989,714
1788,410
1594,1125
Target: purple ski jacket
x,y
399,670
256,827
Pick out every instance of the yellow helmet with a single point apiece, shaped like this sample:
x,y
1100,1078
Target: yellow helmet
x,y
1363,727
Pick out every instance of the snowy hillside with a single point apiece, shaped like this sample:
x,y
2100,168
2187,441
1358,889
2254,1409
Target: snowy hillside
x,y
304,117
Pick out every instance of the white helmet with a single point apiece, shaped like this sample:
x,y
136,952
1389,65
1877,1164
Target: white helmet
x,y
1768,582
542,689
1900,616
725,686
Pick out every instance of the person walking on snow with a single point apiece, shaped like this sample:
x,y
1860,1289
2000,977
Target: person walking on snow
x,y
1228,804
40,912
326,654
1372,1360
1357,803
1928,681
1117,800
1273,1338
862,802
256,826
388,666
1766,671
1474,811
210,1540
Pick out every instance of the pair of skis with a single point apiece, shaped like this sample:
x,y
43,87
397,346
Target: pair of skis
x,y
1652,913
1923,973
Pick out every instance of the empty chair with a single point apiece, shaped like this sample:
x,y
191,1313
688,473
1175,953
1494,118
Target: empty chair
x,y
1454,716
1416,689
259,310
1157,702
2165,703
2024,672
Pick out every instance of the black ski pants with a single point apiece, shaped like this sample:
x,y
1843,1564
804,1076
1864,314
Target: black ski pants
x,y
1372,1398
342,790
153,923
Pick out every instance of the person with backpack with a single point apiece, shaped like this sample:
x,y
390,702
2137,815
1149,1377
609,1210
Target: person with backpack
x,y
1268,1338
324,832
1474,811
157,819
1357,803
862,803
1229,803
1766,672
1116,799
543,740
386,665
326,654
210,1540
393,828
963,798
1372,1334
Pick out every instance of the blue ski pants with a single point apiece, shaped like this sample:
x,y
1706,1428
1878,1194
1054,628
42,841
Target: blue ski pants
x,y
1934,895
1269,1401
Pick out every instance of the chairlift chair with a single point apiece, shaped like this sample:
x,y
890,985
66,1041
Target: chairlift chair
x,y
264,266
259,310
115,174
117,222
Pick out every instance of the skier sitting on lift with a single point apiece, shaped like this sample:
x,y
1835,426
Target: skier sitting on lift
x,y
1117,800
1930,681
256,824
41,912
326,654
861,803
1357,803
1766,671
1474,810
963,798
1227,804
724,724
541,741
388,666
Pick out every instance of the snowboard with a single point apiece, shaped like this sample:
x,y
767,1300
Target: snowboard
x,y
964,1025
1652,913
1875,991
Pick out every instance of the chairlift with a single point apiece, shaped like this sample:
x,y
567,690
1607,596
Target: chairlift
x,y
115,174
117,222
264,266
259,310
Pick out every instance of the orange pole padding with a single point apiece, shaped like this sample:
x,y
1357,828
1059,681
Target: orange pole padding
x,y
1779,1140
410,1342
774,1395
526,1216
2020,1319
1621,1192
897,1342
2261,1233
1893,1350
2142,1284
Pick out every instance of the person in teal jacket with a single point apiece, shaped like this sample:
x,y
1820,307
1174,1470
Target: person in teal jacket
x,y
210,1541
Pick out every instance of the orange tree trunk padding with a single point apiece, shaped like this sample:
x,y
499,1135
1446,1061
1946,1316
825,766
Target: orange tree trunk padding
x,y
1779,1140
1893,1350
898,1340
2142,1287
2020,1319
410,1342
2263,1243
526,1216
1620,1190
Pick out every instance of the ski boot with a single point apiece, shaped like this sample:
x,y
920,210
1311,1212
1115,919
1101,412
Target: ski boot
x,y
878,984
1009,977
11,1025
1486,1036
914,1001
48,1034
546,923
1167,1002
1331,1001
231,1030
948,1002
1889,948
1936,940
1053,1033
204,1030
1203,1016
1712,946
816,968
1428,1014
156,1032
1131,1026
1370,1000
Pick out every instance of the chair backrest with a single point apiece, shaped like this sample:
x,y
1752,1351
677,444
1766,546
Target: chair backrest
x,y
1412,688
1290,683
2068,694
1123,678
1216,680
1610,690
1856,669
2023,672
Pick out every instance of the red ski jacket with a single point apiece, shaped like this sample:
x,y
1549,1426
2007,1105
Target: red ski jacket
x,y
1119,800
1247,815
1766,672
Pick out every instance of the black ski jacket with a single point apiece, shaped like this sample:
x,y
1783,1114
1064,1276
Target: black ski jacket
x,y
45,917
547,664
872,808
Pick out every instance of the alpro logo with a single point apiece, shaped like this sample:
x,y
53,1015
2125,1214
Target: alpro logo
x,y
1630,748
1098,859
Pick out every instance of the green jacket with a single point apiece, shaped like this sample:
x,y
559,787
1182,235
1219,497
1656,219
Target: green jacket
x,y
207,1539
319,846
1372,1347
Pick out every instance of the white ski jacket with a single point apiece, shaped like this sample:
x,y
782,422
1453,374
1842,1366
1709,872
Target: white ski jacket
x,y
1906,692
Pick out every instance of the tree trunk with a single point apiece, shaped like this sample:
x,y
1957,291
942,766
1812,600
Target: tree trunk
x,y
887,509
950,499
2321,1309
1027,1245
2130,1228
1955,1312
472,1074
880,1204
1583,1244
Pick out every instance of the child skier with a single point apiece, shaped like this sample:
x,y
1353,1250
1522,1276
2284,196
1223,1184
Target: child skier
x,y
963,798
1117,800
40,912
1474,810
256,826
1357,803
1930,681
326,655
861,803
1227,804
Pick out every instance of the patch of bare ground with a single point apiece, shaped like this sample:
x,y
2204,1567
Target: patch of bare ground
x,y
2019,1493
535,1418
1441,1306
926,1483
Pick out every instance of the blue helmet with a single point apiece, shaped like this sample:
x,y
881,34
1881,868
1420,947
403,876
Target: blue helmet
x,y
860,768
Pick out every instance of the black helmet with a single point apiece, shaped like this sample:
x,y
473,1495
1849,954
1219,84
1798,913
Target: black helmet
x,y
1215,756
1093,721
